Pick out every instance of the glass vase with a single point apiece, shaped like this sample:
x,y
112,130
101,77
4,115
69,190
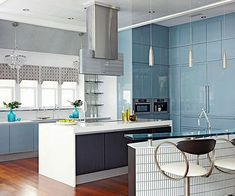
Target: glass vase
x,y
11,116
75,113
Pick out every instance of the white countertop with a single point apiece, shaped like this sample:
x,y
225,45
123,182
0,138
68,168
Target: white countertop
x,y
102,127
50,120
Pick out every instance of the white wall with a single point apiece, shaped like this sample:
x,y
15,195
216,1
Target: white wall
x,y
109,98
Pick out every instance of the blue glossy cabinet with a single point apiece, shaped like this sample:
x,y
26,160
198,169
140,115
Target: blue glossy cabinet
x,y
222,83
174,89
21,137
160,81
142,81
35,137
193,81
4,139
140,53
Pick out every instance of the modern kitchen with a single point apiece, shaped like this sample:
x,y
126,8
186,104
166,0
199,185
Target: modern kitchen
x,y
117,98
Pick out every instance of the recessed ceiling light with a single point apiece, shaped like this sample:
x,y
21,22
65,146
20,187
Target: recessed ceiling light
x,y
26,10
70,18
203,17
152,11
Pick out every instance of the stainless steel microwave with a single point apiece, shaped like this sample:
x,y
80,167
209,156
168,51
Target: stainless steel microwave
x,y
142,106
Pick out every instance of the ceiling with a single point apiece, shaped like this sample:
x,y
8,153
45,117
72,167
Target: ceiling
x,y
55,13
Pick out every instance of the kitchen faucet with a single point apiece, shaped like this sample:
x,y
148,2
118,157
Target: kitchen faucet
x,y
203,113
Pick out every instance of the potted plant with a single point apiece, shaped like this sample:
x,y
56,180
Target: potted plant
x,y
11,117
76,104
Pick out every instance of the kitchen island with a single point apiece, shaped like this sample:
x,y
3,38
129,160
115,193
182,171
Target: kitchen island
x,y
144,178
75,154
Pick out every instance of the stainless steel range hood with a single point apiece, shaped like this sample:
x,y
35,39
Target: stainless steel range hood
x,y
102,55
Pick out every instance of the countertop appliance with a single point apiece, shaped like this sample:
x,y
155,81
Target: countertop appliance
x,y
142,106
160,105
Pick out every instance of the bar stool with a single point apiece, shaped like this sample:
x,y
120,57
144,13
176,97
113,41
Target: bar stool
x,y
226,165
186,170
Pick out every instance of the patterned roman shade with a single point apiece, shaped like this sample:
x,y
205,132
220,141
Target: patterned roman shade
x,y
50,74
7,73
29,72
69,75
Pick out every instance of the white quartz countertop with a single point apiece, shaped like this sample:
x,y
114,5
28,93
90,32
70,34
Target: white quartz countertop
x,y
102,127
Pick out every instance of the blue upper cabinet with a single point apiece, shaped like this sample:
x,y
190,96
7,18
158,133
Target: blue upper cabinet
x,y
214,29
142,81
193,81
184,55
199,53
160,81
21,137
160,36
161,56
222,83
229,47
229,29
185,38
174,56
199,32
4,139
141,35
140,53
214,51
174,34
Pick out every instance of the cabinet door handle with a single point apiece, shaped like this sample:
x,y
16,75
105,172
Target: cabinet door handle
x,y
206,104
208,99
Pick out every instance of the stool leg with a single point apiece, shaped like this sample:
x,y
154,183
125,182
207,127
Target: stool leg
x,y
186,186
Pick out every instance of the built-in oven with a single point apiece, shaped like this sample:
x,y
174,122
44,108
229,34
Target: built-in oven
x,y
142,106
160,105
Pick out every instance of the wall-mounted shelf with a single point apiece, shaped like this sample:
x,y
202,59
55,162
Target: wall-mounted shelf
x,y
96,105
95,93
94,81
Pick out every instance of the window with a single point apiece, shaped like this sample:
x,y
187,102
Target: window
x,y
7,91
28,93
68,93
49,94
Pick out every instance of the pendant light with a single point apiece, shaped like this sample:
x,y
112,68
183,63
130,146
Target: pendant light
x,y
151,51
225,61
190,53
15,60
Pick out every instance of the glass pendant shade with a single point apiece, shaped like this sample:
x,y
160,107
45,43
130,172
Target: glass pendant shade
x,y
15,60
151,56
225,62
190,58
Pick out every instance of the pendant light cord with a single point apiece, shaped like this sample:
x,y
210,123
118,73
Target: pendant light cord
x,y
150,16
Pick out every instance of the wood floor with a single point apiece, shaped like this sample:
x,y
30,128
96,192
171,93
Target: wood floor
x,y
21,178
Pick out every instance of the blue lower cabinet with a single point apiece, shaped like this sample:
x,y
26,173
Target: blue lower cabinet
x,y
176,122
21,137
161,116
145,116
4,139
192,121
35,137
222,123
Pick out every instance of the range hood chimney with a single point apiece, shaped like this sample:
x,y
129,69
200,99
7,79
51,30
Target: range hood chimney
x,y
102,29
102,56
